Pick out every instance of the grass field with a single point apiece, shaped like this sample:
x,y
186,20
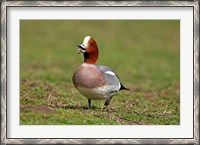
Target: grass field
x,y
144,54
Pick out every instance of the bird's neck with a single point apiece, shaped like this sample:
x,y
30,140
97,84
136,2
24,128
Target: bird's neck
x,y
90,58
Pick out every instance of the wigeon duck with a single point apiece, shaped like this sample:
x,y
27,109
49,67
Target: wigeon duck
x,y
95,82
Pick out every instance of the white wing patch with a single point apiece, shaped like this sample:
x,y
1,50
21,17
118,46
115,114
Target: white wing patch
x,y
110,73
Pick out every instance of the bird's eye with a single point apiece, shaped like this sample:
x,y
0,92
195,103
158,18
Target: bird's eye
x,y
90,44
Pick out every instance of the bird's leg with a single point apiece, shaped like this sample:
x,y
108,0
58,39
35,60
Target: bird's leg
x,y
89,103
106,104
107,101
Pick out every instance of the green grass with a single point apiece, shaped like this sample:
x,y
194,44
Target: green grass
x,y
144,54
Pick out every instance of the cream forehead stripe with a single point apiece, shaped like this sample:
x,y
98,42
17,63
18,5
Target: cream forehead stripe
x,y
86,39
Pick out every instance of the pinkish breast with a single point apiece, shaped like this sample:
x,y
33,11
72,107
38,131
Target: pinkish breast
x,y
88,76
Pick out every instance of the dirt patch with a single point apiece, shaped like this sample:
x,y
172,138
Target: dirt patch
x,y
130,104
176,87
149,96
29,83
66,85
34,65
38,108
165,93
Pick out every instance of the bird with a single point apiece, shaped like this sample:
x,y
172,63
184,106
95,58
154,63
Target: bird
x,y
95,82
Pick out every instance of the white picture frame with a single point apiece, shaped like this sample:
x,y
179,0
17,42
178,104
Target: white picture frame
x,y
5,128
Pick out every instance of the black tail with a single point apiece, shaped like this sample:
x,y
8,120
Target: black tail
x,y
123,88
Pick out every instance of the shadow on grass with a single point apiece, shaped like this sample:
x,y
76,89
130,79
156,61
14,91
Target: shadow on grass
x,y
77,107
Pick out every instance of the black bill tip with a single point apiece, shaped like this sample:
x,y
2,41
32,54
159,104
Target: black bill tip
x,y
82,46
